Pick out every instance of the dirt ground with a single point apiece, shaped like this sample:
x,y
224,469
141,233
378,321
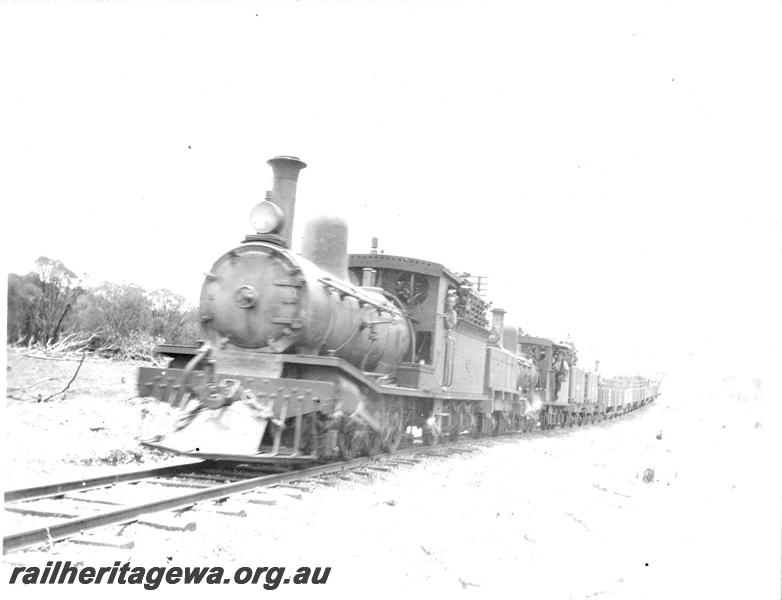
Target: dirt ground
x,y
561,514
93,424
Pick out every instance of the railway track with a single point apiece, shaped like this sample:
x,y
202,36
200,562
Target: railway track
x,y
197,483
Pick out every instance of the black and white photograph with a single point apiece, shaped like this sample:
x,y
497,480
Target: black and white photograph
x,y
392,299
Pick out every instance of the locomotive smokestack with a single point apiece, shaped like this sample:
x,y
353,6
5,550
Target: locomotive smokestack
x,y
286,174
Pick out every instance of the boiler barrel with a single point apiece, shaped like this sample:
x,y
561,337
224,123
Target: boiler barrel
x,y
265,297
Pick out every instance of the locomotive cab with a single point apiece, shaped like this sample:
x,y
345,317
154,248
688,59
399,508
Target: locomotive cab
x,y
447,316
553,361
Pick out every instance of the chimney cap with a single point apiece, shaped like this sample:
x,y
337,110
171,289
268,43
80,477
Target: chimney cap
x,y
294,159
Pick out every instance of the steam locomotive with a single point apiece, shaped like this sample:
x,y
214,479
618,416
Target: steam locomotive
x,y
322,355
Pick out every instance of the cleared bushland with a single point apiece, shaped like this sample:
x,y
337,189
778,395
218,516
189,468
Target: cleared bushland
x,y
558,514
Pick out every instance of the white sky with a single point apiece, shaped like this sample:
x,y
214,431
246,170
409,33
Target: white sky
x,y
613,167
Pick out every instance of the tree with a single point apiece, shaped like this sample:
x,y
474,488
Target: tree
x,y
112,312
172,319
40,302
24,295
124,317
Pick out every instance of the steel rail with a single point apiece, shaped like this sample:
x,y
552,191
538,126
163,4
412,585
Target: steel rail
x,y
70,527
56,489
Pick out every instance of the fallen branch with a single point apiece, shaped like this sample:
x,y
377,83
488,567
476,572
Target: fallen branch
x,y
65,389
40,381
25,391
31,386
146,358
44,357
67,344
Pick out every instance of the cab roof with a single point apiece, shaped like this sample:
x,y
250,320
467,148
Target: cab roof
x,y
402,263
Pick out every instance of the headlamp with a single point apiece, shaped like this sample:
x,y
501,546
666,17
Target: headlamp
x,y
266,217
